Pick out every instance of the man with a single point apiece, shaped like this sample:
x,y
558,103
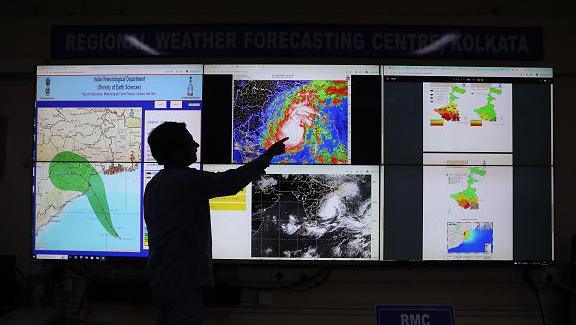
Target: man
x,y
178,219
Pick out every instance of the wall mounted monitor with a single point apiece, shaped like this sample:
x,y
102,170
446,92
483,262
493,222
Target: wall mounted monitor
x,y
472,148
445,109
320,212
91,158
465,164
329,112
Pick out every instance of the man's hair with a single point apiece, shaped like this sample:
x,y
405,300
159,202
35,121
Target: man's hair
x,y
166,138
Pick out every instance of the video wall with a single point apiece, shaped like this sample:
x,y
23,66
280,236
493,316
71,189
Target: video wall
x,y
383,163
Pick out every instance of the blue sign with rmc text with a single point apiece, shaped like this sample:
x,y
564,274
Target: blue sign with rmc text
x,y
414,315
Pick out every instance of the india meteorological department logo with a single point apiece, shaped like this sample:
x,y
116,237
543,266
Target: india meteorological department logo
x,y
47,88
190,89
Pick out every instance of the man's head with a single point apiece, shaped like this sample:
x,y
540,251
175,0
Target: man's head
x,y
172,145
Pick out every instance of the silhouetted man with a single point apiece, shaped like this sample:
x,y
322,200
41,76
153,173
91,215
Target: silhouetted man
x,y
178,220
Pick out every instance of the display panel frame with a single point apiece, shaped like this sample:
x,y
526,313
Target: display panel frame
x,y
381,262
128,69
545,74
349,187
370,69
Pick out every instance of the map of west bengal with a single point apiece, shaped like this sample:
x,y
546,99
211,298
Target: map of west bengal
x,y
87,179
449,112
467,117
470,237
311,216
468,198
313,114
473,104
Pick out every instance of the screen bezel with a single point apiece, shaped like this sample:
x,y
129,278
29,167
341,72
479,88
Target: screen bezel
x,y
311,262
551,166
85,257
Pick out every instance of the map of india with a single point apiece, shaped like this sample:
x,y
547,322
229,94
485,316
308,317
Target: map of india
x,y
313,114
312,216
97,134
468,198
87,178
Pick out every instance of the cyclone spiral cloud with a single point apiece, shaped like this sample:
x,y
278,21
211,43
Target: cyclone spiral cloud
x,y
313,114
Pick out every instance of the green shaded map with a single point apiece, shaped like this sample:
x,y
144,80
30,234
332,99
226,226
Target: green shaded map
x,y
69,171
449,112
468,199
487,112
456,89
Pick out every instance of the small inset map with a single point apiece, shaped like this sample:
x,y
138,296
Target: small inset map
x,y
470,237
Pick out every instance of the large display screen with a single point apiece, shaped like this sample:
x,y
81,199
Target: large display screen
x,y
474,145
91,155
467,207
327,111
383,163
300,212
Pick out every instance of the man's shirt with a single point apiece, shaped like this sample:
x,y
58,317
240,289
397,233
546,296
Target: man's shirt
x,y
177,215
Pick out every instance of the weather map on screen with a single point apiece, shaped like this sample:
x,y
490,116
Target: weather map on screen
x,y
295,212
467,206
469,117
90,164
314,216
80,208
312,105
470,237
467,198
312,113
482,139
110,134
461,99
91,157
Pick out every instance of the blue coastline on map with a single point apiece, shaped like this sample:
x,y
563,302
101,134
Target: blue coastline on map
x,y
479,238
78,229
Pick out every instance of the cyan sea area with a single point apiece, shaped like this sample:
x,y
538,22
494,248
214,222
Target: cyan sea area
x,y
476,243
78,229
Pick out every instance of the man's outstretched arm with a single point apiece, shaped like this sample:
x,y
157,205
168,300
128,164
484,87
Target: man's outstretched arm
x,y
232,181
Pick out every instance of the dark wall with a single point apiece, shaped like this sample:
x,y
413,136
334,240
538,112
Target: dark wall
x,y
500,297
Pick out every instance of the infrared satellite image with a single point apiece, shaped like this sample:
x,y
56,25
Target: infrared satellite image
x,y
311,216
313,114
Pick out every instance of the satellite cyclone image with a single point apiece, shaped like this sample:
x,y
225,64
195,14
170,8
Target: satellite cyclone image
x,y
312,216
313,114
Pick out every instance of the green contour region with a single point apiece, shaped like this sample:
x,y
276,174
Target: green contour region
x,y
468,199
487,112
69,171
